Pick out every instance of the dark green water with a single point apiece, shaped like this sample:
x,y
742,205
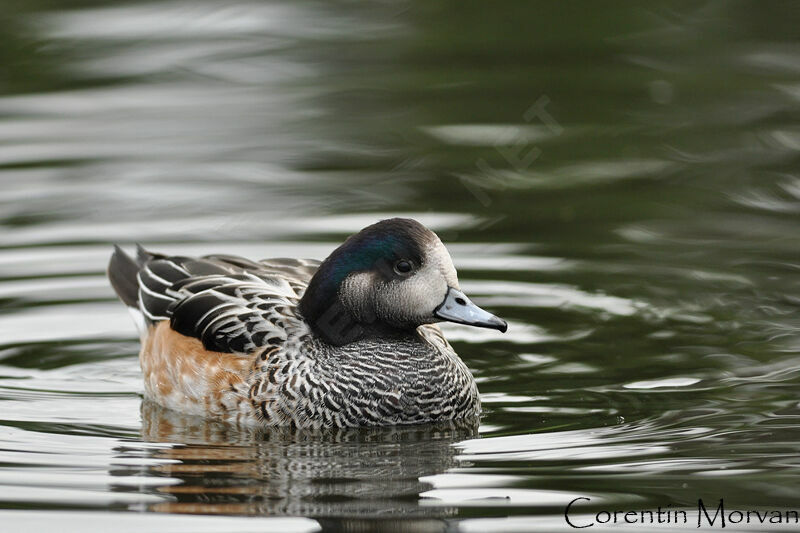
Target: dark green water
x,y
621,181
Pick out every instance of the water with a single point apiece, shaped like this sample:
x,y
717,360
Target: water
x,y
620,182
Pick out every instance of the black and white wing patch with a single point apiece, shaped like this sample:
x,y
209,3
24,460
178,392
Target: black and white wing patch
x,y
230,303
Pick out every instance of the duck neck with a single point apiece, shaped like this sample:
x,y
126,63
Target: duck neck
x,y
331,320
336,323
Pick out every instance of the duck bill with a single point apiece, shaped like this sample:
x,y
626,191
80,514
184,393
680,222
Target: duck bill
x,y
457,308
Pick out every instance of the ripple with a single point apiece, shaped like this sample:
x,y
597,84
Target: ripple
x,y
67,322
518,333
460,480
774,201
200,227
583,445
676,382
488,134
85,522
551,295
59,497
508,497
571,368
190,20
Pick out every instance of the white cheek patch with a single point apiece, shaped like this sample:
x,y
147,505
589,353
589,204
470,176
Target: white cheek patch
x,y
421,294
438,255
405,301
413,300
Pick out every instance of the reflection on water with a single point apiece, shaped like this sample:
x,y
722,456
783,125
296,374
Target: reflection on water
x,y
619,182
218,469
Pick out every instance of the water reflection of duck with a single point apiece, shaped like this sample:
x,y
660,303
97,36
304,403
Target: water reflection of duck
x,y
346,342
225,469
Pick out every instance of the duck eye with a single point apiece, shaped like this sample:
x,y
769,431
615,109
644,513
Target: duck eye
x,y
403,267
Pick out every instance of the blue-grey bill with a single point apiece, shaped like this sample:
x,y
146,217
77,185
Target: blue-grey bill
x,y
456,307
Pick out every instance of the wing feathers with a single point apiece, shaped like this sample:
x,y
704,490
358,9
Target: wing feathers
x,y
230,303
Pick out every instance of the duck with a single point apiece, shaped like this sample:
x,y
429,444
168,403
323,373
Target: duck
x,y
351,341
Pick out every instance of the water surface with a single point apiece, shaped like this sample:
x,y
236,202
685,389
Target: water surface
x,y
619,182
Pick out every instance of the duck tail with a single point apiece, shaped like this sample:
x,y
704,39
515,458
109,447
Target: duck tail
x,y
123,272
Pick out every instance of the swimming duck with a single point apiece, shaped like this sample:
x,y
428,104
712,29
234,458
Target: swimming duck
x,y
347,342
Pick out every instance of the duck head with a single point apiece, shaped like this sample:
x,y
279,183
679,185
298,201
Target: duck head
x,y
388,279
